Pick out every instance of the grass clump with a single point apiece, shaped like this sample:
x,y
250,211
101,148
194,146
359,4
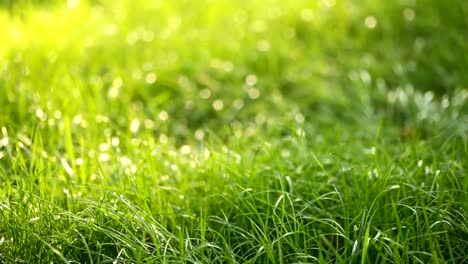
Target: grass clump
x,y
239,132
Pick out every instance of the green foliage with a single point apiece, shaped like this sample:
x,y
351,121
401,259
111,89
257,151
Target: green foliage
x,y
233,131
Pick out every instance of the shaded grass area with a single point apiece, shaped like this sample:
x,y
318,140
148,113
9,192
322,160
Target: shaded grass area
x,y
240,132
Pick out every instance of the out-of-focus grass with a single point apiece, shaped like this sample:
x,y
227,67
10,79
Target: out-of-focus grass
x,y
233,131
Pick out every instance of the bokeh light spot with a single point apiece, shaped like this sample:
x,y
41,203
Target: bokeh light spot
x,y
370,22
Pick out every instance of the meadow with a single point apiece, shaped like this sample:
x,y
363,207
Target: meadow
x,y
212,131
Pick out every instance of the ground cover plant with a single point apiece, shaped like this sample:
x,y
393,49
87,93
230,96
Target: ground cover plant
x,y
233,131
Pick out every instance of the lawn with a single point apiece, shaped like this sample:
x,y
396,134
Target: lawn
x,y
215,131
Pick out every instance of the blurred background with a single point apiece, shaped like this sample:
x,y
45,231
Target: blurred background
x,y
205,64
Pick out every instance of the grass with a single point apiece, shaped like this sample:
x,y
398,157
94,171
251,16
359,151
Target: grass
x,y
233,132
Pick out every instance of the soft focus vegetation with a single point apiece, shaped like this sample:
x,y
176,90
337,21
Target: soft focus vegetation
x,y
233,131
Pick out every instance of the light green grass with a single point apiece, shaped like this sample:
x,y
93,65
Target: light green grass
x,y
233,132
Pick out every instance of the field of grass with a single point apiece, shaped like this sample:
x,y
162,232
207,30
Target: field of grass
x,y
215,131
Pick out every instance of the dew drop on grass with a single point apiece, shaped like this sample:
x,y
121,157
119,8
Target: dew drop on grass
x,y
251,79
205,94
104,157
184,82
299,118
409,14
370,22
114,89
78,119
163,115
125,161
174,167
365,77
51,122
115,141
134,125
154,152
21,145
238,104
57,114
40,114
4,141
163,138
218,105
149,123
185,149
79,161
103,147
193,164
199,134
150,78
253,93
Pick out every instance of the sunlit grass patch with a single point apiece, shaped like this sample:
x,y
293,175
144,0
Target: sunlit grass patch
x,y
233,131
